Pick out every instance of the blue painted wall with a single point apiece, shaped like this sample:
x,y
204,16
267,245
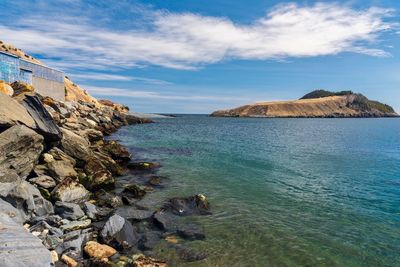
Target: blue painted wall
x,y
9,68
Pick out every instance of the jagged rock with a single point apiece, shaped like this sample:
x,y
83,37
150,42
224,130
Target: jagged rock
x,y
109,163
116,151
40,170
44,121
43,225
74,241
52,241
144,261
90,210
58,154
69,261
19,248
43,181
97,175
20,148
9,176
12,113
6,89
132,213
75,145
26,198
98,251
166,221
92,135
60,169
70,211
131,119
106,199
119,233
143,165
194,205
70,190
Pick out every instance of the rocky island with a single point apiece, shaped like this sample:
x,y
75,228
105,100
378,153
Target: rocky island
x,y
60,203
317,104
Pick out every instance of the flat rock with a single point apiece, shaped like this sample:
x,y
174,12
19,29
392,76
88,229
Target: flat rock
x,y
20,149
76,225
12,113
75,145
132,213
70,211
60,169
43,181
19,248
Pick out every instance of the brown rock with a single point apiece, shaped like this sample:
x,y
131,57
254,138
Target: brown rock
x,y
12,113
143,261
69,261
6,89
98,251
21,88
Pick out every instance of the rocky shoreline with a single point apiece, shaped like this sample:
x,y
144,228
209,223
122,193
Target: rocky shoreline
x,y
58,203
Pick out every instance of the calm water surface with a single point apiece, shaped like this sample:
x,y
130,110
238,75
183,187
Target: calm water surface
x,y
284,192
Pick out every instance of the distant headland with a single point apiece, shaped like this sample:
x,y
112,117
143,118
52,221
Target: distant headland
x,y
317,104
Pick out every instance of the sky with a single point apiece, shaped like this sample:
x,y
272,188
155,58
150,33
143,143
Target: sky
x,y
192,56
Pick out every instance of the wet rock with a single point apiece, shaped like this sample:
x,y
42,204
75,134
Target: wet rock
x,y
144,261
156,181
131,119
133,191
68,211
97,175
106,199
76,225
26,198
143,165
116,151
119,233
12,113
194,205
70,190
19,248
75,145
44,121
132,213
151,240
98,251
43,181
191,232
90,210
109,163
166,221
16,141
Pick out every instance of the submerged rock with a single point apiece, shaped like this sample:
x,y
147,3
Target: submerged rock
x,y
143,165
132,213
191,232
15,142
144,261
119,233
183,206
133,191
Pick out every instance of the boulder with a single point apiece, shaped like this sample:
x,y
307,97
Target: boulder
x,y
109,163
90,210
26,198
15,214
119,233
133,191
20,148
21,88
191,232
98,251
60,169
132,213
6,89
97,174
166,221
43,181
183,206
45,123
19,248
116,151
12,113
70,211
92,135
190,254
143,165
75,145
74,241
70,190
58,154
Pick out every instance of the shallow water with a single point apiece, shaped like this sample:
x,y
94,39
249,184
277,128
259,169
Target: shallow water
x,y
284,192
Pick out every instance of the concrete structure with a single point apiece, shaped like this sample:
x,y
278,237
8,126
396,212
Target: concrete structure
x,y
46,81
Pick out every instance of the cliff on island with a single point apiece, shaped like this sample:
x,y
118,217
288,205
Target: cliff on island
x,y
317,104
60,202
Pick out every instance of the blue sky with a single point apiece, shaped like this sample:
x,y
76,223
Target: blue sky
x,y
198,56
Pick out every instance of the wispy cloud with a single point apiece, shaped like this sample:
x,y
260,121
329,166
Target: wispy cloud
x,y
141,94
187,40
93,76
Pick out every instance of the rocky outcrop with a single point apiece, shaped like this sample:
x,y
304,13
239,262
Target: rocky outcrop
x,y
335,105
20,149
12,113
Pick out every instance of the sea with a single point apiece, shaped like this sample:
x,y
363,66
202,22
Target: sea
x,y
283,192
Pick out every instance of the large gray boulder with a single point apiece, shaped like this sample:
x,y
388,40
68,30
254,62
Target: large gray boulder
x,y
70,211
19,248
70,190
44,121
75,145
12,113
26,198
20,148
119,233
12,212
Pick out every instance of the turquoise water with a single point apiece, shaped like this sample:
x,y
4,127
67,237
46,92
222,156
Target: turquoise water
x,y
284,192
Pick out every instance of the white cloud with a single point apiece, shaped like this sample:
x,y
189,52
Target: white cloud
x,y
187,41
115,77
